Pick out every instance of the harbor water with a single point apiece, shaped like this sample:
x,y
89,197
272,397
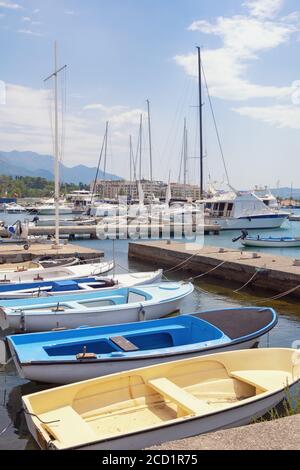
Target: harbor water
x,y
208,294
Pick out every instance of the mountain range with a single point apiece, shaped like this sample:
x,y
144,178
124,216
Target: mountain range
x,y
17,163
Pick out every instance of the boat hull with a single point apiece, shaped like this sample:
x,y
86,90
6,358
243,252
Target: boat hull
x,y
240,416
70,372
249,223
271,244
55,273
124,314
167,402
121,281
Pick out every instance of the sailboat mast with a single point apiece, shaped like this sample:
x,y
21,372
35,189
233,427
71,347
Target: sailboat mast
x,y
105,151
200,121
185,156
56,151
150,147
141,139
56,148
130,157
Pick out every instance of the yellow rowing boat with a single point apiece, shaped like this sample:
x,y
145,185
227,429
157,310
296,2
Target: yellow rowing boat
x,y
136,409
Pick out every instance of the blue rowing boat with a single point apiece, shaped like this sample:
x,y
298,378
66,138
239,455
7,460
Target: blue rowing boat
x,y
106,307
85,353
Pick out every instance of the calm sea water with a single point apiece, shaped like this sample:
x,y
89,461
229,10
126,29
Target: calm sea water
x,y
214,296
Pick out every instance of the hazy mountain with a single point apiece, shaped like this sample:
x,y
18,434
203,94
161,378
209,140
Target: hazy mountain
x,y
32,164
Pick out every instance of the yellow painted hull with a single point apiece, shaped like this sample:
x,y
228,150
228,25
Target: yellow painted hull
x,y
170,401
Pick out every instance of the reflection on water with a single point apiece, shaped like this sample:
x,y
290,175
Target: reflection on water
x,y
12,388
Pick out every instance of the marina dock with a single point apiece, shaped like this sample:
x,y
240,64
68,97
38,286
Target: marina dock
x,y
11,253
120,230
277,274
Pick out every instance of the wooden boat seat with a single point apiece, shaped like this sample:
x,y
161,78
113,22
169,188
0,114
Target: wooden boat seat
x,y
185,401
70,428
264,380
124,344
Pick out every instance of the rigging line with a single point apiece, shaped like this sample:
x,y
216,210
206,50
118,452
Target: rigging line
x,y
50,112
63,110
216,126
98,169
181,160
176,120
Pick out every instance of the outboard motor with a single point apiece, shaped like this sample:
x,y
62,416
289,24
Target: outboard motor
x,y
243,235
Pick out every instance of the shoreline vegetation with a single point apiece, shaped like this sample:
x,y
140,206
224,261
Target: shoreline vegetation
x,y
31,187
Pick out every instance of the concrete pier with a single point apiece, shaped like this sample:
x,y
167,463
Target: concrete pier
x,y
277,274
281,434
10,253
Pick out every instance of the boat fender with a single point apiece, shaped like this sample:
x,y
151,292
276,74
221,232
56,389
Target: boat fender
x,y
141,313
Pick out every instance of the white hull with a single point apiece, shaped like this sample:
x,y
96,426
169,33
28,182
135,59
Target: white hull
x,y
110,316
270,244
60,272
229,223
63,223
69,373
51,210
223,419
121,280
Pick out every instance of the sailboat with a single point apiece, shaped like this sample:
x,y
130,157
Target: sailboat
x,y
233,210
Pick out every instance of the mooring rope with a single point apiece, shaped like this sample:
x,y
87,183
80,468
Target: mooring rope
x,y
191,279
247,283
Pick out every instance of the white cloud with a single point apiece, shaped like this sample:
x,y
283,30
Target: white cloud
x,y
71,12
37,10
9,5
105,109
26,18
264,8
25,125
243,38
128,117
278,116
118,116
29,32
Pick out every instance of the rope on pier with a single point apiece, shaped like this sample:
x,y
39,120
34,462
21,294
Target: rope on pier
x,y
178,266
191,279
248,282
280,296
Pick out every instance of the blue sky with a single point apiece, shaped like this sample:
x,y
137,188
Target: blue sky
x,y
122,52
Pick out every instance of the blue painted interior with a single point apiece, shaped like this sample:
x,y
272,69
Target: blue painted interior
x,y
160,336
